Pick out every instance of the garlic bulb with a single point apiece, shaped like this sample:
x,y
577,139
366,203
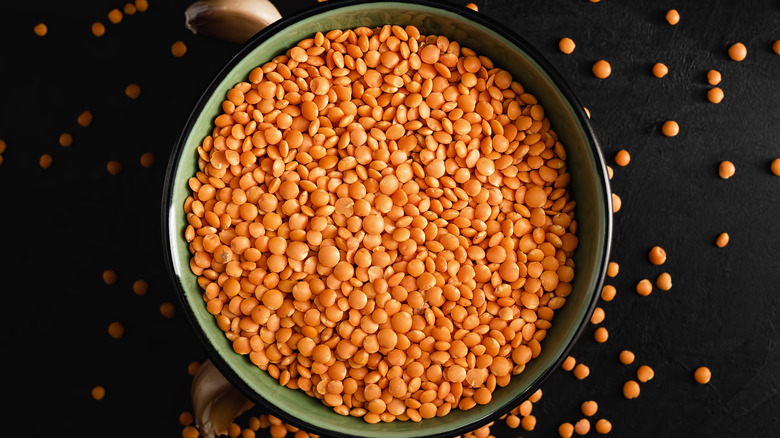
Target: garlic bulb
x,y
216,402
231,20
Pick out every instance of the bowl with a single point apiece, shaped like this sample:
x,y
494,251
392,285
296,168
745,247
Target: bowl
x,y
589,187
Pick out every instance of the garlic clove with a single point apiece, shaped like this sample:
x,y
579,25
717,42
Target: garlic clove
x,y
216,402
230,20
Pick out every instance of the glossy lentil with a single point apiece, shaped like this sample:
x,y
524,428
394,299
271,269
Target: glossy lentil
x,y
601,335
602,69
657,255
702,375
644,373
713,77
726,169
672,16
664,281
722,240
626,357
603,426
566,45
670,128
178,49
660,70
737,52
622,158
644,287
379,202
775,166
631,389
715,95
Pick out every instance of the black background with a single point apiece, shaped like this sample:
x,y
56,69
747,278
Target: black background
x,y
62,227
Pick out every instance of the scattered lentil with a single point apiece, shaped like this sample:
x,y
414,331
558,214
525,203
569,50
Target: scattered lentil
x,y
569,363
775,166
713,77
644,373
114,167
626,357
644,287
722,240
178,49
140,287
622,158
582,426
660,70
148,159
631,389
613,268
566,430
617,203
581,371
40,29
603,426
116,329
601,335
141,5
589,408
45,161
602,69
190,432
133,91
726,169
776,47
672,16
186,418
129,9
702,375
84,119
608,292
738,52
657,255
115,16
598,316
98,29
528,422
670,128
473,7
664,281
566,45
3,146
167,310
65,140
715,95
109,276
98,392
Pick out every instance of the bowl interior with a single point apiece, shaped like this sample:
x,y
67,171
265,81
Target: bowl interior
x,y
584,161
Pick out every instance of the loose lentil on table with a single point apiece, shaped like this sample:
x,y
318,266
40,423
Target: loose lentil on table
x,y
381,219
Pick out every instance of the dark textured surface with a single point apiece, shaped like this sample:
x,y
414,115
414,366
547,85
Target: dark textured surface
x,y
63,226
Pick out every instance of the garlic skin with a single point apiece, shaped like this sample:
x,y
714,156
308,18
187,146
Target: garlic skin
x,y
234,21
216,402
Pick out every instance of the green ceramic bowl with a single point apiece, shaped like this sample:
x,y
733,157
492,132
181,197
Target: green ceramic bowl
x,y
590,189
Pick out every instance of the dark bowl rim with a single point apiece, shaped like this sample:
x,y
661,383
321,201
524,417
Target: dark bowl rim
x,y
262,36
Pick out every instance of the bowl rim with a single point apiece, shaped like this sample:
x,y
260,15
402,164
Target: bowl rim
x,y
480,19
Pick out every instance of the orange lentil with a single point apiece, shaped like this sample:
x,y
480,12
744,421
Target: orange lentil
x,y
726,169
133,91
664,281
603,426
622,158
115,16
713,77
589,408
626,357
775,166
702,375
569,363
722,240
98,392
566,430
148,159
528,422
129,9
601,335
45,161
186,418
109,276
660,70
581,371
114,167
141,5
192,368
116,329
582,426
140,287
3,146
608,292
84,119
598,316
631,389
715,95
602,69
613,269
672,16
670,128
167,310
566,45
178,49
472,6
657,255
190,432
644,287
644,373
738,52
776,47
617,203
65,140
98,29
40,29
